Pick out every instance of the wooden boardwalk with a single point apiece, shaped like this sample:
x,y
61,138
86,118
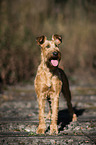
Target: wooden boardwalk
x,y
19,118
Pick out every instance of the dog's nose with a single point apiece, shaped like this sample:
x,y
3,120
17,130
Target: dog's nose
x,y
55,53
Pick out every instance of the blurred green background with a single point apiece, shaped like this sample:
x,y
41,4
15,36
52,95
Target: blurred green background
x,y
21,21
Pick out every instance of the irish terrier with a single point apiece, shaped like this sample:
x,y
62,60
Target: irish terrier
x,y
50,81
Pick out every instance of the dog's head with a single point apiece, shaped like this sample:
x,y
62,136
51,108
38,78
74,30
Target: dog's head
x,y
50,52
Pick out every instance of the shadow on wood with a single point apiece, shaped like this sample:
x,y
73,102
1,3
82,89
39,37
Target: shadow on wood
x,y
64,117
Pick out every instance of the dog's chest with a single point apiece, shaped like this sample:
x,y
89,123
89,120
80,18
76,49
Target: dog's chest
x,y
53,80
48,80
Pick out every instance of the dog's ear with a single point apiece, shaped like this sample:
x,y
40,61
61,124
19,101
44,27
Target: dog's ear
x,y
40,40
57,39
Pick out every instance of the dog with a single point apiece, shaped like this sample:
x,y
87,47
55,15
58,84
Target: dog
x,y
50,80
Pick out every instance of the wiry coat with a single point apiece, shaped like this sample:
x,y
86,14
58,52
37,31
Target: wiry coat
x,y
50,81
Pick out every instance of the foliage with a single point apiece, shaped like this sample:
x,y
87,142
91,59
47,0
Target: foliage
x,y
22,21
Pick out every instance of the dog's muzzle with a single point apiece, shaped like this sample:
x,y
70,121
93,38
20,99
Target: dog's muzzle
x,y
55,58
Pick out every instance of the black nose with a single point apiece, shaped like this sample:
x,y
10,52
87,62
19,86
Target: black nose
x,y
55,53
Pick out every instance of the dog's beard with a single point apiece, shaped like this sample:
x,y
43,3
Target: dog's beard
x,y
52,61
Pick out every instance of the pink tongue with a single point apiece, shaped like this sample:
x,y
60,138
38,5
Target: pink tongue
x,y
54,62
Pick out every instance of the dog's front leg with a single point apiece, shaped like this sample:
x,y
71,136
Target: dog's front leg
x,y
42,127
54,117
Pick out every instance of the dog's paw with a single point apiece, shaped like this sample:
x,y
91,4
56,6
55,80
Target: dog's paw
x,y
53,129
74,118
41,129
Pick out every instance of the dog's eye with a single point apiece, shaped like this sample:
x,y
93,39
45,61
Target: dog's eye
x,y
48,46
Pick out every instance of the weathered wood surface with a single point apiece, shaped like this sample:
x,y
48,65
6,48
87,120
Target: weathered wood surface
x,y
19,118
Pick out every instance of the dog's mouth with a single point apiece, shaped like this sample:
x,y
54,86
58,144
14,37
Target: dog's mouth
x,y
54,62
54,59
